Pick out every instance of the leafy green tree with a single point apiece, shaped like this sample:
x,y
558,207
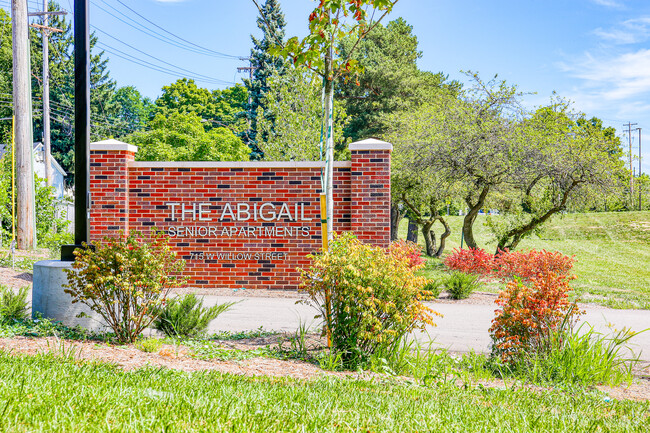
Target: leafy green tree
x,y
133,109
6,75
559,155
294,100
104,110
271,22
389,81
218,108
182,137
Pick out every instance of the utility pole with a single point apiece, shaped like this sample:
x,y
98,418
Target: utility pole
x,y
639,129
81,130
250,69
24,140
629,140
47,151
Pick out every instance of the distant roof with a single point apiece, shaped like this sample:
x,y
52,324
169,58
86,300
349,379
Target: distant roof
x,y
38,147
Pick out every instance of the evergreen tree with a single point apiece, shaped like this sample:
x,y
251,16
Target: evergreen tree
x,y
272,24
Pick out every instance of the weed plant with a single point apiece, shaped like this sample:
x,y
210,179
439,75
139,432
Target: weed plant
x,y
582,357
13,305
186,317
432,289
242,335
461,285
149,345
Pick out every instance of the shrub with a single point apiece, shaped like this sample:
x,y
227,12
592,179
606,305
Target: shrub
x,y
526,265
410,252
13,305
368,299
432,289
530,314
124,280
149,345
460,285
187,317
471,261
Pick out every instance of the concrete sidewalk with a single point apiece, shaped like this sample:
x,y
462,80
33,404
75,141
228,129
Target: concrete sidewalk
x,y
463,327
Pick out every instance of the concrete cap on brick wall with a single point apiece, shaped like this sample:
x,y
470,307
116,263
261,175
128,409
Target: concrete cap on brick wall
x,y
371,144
112,144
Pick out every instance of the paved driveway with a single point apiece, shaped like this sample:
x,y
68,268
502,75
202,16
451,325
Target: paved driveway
x,y
463,328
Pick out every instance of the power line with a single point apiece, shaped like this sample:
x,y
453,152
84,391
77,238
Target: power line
x,y
174,35
149,65
154,34
156,58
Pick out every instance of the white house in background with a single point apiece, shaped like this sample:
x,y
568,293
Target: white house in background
x,y
58,174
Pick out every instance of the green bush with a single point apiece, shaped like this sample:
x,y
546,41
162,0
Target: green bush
x,y
432,288
13,306
461,285
368,298
149,345
187,317
124,280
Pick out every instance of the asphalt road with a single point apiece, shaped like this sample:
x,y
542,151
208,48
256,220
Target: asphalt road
x,y
463,327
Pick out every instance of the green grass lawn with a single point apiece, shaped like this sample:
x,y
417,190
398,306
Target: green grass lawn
x,y
612,251
50,394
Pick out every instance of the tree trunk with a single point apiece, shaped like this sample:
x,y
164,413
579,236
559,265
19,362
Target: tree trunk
x,y
429,239
395,217
511,239
468,221
443,237
412,234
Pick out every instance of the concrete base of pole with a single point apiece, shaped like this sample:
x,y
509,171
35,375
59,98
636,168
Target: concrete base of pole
x,y
49,299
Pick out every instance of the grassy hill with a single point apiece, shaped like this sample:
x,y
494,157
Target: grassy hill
x,y
612,251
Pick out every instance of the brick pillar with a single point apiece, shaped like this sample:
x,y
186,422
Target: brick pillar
x,y
370,191
109,187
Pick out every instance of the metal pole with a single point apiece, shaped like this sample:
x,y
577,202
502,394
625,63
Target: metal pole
x,y
47,152
639,129
81,130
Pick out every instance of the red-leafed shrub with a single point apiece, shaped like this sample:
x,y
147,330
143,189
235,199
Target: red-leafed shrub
x,y
471,261
531,312
527,265
408,252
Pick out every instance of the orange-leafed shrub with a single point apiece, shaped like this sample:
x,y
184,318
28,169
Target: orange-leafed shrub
x,y
527,265
408,252
471,261
529,315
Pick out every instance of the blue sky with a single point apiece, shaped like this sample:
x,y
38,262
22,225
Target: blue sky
x,y
594,52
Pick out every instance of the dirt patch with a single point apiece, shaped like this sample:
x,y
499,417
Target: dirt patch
x,y
15,279
169,356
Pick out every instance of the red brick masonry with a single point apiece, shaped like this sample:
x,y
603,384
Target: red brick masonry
x,y
239,224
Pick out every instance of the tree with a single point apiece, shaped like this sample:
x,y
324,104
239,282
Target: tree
x,y
329,23
294,100
103,108
182,137
133,110
559,155
218,108
467,139
390,80
271,22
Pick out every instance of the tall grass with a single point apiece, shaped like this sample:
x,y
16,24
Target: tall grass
x,y
51,394
583,357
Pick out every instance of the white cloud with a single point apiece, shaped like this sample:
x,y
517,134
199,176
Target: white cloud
x,y
169,1
628,32
613,78
609,3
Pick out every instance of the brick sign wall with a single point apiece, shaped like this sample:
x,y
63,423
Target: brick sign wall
x,y
239,224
